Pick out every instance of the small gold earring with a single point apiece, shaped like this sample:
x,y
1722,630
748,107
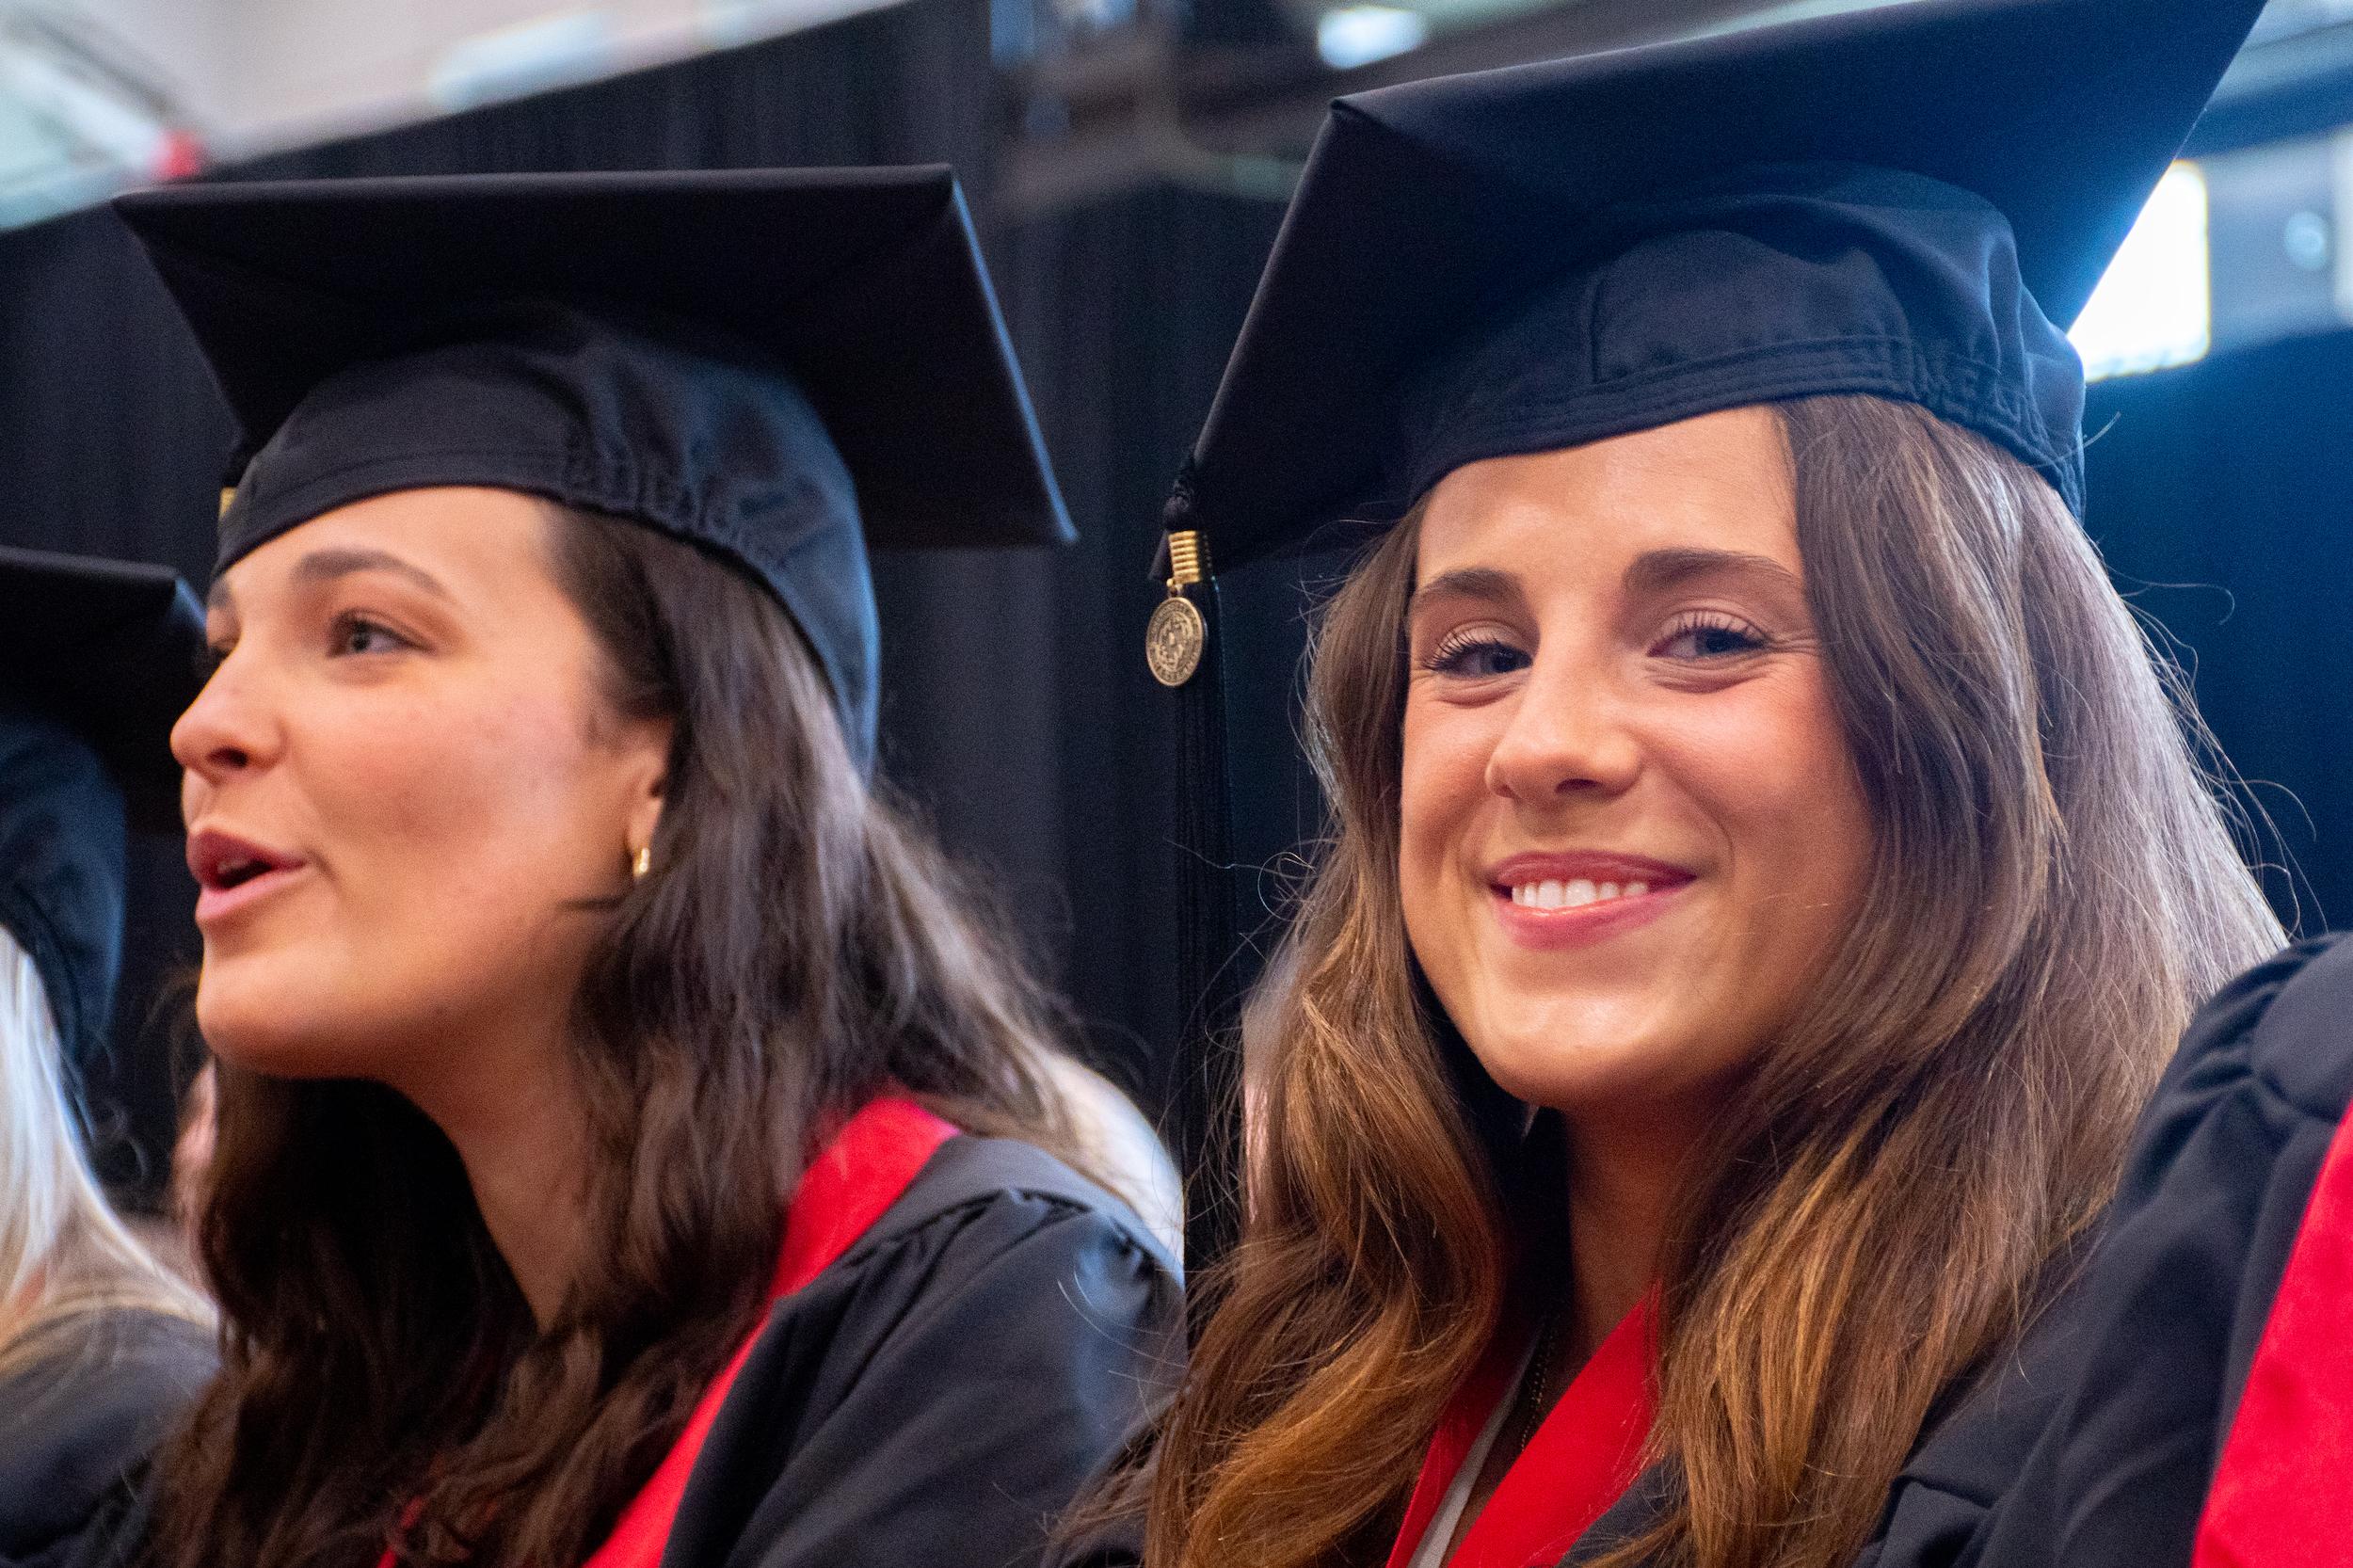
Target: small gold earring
x,y
643,863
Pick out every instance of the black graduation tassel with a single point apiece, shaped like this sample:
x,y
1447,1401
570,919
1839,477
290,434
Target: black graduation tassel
x,y
1182,647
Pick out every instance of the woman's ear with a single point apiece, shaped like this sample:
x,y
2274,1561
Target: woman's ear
x,y
647,779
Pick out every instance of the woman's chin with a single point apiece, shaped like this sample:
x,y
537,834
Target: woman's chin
x,y
1566,1080
1593,1071
263,1029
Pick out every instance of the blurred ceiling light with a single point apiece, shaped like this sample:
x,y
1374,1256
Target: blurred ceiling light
x,y
1352,35
529,56
77,120
2287,18
1770,15
728,24
2155,310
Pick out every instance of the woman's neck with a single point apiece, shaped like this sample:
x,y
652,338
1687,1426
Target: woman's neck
x,y
1621,1180
519,1124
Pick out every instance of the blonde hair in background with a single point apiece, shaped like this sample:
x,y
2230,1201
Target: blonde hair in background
x,y
1892,1195
64,1253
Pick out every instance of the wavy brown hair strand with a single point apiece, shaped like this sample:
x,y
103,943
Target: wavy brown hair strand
x,y
798,949
2053,888
1370,1269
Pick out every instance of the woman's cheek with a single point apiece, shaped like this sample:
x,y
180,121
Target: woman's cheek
x,y
1442,798
1768,762
1439,777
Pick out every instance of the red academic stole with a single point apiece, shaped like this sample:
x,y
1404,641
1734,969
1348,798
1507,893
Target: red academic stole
x,y
2282,1495
1581,1461
851,1184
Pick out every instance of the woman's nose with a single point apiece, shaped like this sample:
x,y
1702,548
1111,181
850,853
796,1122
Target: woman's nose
x,y
1568,736
224,732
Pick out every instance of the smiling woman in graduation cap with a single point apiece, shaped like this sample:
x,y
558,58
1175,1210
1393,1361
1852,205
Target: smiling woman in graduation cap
x,y
631,1144
1766,873
99,1346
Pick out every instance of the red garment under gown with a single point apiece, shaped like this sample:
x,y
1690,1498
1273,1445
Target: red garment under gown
x,y
1582,1460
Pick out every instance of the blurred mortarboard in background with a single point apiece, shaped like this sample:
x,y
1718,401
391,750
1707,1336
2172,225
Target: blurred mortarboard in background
x,y
97,661
781,366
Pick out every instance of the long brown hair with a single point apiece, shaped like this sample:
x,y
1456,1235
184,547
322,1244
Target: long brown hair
x,y
2054,888
797,948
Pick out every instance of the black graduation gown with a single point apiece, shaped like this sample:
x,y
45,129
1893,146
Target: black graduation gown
x,y
78,1422
941,1393
1942,1497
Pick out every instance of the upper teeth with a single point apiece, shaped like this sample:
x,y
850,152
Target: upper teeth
x,y
1571,895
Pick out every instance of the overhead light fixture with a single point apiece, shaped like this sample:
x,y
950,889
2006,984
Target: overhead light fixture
x,y
553,52
76,124
2154,308
1351,35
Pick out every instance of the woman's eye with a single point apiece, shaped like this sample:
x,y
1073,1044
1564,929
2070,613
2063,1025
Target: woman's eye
x,y
1475,658
359,634
1707,637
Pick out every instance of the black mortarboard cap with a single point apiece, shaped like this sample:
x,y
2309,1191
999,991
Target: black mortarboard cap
x,y
97,660
780,366
1907,199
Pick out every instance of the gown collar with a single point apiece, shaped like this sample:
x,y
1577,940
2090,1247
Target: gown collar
x,y
851,1184
1582,1460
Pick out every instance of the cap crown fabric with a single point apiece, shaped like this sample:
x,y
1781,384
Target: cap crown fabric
x,y
707,443
780,365
61,890
1905,199
1779,283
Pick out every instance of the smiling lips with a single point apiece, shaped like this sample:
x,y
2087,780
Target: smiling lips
x,y
1574,900
234,873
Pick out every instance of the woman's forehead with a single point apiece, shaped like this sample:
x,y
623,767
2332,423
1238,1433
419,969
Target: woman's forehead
x,y
438,540
1675,496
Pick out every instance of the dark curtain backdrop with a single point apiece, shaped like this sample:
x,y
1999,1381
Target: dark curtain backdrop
x,y
1017,714
2222,497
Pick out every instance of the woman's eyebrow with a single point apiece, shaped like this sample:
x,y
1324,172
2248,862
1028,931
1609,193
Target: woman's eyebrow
x,y
327,566
1480,583
1659,570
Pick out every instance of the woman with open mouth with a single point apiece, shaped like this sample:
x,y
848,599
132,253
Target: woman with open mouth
x,y
1767,871
631,1144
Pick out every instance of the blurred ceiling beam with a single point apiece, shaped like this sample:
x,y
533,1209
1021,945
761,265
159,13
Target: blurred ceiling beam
x,y
1137,109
